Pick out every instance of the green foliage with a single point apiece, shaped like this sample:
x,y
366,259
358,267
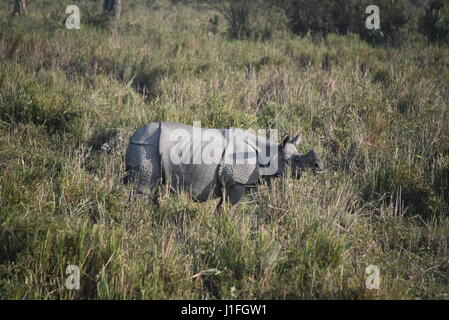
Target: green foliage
x,y
255,19
401,22
323,17
320,17
25,100
382,76
435,23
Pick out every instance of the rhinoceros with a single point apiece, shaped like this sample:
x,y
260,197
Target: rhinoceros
x,y
209,163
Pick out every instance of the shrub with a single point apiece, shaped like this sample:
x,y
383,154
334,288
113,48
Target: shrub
x,y
325,16
435,23
247,18
320,17
395,20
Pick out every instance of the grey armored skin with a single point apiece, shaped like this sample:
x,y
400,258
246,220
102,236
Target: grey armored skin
x,y
157,153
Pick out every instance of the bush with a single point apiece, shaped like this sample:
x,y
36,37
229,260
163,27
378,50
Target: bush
x,y
435,23
400,21
321,16
247,18
325,16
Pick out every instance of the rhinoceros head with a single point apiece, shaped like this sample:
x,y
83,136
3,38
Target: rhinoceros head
x,y
290,157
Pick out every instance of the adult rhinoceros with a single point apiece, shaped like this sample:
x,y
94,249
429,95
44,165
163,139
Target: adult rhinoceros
x,y
209,163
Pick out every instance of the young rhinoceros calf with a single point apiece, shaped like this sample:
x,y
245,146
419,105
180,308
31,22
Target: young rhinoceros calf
x,y
209,163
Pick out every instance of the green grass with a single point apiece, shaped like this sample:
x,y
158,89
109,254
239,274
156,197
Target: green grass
x,y
379,117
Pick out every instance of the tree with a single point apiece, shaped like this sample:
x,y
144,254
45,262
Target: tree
x,y
114,6
19,7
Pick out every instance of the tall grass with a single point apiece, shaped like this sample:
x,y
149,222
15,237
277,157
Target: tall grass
x,y
378,116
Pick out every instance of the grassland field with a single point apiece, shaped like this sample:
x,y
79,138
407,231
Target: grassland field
x,y
377,115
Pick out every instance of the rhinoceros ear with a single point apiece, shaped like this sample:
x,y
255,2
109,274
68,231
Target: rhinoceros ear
x,y
286,140
297,140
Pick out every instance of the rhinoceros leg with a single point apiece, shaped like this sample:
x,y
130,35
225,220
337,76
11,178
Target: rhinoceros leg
x,y
236,193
